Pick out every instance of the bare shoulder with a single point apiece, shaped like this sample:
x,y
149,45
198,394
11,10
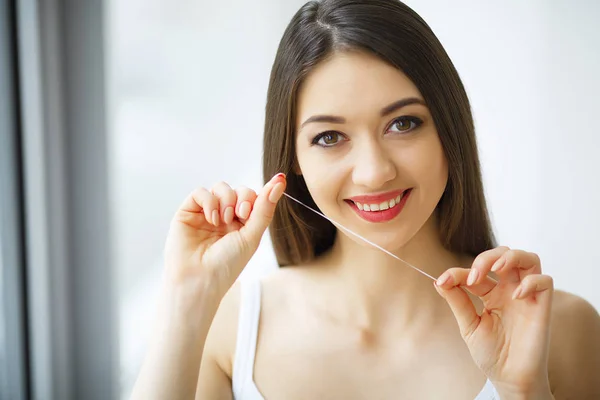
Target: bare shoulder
x,y
574,348
283,288
222,338
289,277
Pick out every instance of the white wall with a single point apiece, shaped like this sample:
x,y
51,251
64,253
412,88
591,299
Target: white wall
x,y
531,71
187,84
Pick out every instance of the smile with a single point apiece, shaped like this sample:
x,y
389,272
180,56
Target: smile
x,y
379,208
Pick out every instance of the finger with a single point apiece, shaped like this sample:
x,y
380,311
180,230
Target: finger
x,y
245,199
484,263
263,210
519,264
463,309
199,201
227,200
458,277
534,285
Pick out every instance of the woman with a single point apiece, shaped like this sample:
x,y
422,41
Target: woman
x,y
369,122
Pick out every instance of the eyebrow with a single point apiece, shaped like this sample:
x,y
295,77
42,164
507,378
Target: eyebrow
x,y
333,119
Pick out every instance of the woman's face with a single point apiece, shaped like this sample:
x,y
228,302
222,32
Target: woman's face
x,y
368,149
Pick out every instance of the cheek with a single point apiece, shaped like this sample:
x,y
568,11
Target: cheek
x,y
320,181
323,178
426,164
434,169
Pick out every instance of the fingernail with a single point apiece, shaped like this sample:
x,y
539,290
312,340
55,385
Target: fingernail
x,y
244,211
276,193
498,264
279,175
440,290
517,293
473,275
442,279
215,218
228,215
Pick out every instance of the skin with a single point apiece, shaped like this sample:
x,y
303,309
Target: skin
x,y
355,323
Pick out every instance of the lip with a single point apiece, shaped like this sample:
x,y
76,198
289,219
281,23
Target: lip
x,y
385,215
377,198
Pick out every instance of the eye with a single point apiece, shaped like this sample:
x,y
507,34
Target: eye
x,y
327,139
405,124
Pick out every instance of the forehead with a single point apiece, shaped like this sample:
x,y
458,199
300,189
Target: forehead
x,y
351,84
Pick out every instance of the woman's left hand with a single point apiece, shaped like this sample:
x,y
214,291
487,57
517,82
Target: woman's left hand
x,y
509,341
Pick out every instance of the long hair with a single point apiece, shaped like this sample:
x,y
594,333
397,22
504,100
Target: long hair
x,y
397,35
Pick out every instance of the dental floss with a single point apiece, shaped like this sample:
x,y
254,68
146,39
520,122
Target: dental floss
x,y
360,237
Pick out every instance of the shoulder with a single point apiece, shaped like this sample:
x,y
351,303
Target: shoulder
x,y
574,347
287,289
221,342
286,280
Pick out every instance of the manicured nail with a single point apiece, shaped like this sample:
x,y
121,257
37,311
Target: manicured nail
x,y
473,275
279,175
498,264
244,211
442,279
228,215
276,193
215,218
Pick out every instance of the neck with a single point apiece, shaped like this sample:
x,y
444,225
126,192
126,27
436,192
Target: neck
x,y
375,286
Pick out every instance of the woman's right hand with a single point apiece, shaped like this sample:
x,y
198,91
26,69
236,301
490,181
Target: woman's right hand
x,y
215,233
211,239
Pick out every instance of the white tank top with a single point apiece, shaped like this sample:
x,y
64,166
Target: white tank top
x,y
243,384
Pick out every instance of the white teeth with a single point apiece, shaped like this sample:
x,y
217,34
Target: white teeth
x,y
381,206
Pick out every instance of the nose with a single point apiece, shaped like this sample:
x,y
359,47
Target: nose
x,y
373,166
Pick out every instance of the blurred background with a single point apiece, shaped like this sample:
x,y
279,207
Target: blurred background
x,y
114,111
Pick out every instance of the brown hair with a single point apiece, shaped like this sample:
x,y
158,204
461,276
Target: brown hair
x,y
398,35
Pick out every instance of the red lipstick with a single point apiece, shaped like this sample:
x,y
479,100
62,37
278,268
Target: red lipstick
x,y
379,215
